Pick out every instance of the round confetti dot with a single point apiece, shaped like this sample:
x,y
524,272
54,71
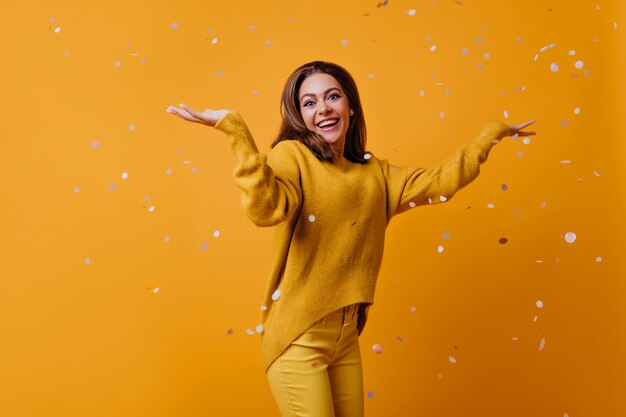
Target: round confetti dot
x,y
367,156
503,240
204,245
77,189
214,41
168,171
442,114
579,64
88,261
554,67
440,249
112,187
543,204
131,127
377,348
446,235
95,144
439,376
478,40
216,233
156,290
229,332
118,64
520,153
411,204
220,73
421,93
251,27
167,239
370,394
411,12
571,52
344,42
598,258
174,26
276,295
506,114
370,75
452,359
486,55
263,308
570,237
57,30
505,187
464,51
412,309
433,48
124,175
268,43
151,209
311,218
250,331
491,205
526,141
577,110
259,328
539,304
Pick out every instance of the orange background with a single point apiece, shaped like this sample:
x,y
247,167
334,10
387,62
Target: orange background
x,y
84,332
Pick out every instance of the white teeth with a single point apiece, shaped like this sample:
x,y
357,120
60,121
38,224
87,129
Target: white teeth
x,y
327,122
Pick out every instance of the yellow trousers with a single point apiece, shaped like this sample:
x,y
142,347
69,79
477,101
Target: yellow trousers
x,y
320,373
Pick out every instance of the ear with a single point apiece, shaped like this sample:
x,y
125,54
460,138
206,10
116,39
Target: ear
x,y
351,112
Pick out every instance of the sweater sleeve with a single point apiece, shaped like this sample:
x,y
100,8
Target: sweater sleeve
x,y
408,187
270,184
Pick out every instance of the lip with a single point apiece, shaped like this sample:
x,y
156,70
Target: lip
x,y
327,129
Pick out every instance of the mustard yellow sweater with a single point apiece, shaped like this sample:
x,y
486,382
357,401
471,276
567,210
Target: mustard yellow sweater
x,y
329,221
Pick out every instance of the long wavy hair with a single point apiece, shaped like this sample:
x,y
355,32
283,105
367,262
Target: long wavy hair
x,y
294,128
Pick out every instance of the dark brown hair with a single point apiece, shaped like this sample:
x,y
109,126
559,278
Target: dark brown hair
x,y
294,128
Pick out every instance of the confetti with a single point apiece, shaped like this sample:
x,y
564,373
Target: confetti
x,y
598,259
95,144
446,235
570,237
542,344
112,187
440,249
433,48
539,304
174,26
421,93
566,161
124,175
311,218
490,205
411,204
400,339
452,359
77,189
544,204
554,67
276,295
412,309
370,394
229,332
367,156
577,110
315,363
88,261
411,12
344,42
503,240
486,55
204,245
442,198
167,239
151,209
156,290
259,328
578,64
506,114
377,348
505,187
131,127
220,73
526,141
250,331
263,308
442,114
168,171
216,233
214,41
572,52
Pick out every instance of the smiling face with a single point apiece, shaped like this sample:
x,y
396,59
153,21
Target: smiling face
x,y
324,108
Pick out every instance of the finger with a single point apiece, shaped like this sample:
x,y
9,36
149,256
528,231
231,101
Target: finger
x,y
182,114
526,133
523,125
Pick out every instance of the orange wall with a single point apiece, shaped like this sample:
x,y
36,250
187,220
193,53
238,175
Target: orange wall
x,y
83,331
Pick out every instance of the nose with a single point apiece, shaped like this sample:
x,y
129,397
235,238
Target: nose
x,y
324,107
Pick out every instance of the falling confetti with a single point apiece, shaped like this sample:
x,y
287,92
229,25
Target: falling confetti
x,y
112,187
554,67
263,308
579,64
214,41
377,348
174,25
503,240
250,331
598,259
411,204
452,359
167,239
315,363
124,175
442,198
216,233
367,156
542,344
229,332
505,187
446,235
259,328
168,171
464,51
440,249
204,245
276,295
490,205
77,189
88,261
570,237
400,339
311,218
412,309
411,12
95,144
151,209
539,304
577,110
156,290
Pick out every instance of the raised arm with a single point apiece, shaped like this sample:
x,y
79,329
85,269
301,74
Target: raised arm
x,y
270,183
409,187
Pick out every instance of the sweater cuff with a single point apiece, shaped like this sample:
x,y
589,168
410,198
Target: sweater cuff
x,y
235,127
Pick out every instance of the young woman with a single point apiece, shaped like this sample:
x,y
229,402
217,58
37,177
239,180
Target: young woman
x,y
330,202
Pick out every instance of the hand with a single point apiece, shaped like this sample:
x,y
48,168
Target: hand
x,y
208,117
517,129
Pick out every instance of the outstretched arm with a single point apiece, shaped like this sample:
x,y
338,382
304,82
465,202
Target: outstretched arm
x,y
270,183
409,187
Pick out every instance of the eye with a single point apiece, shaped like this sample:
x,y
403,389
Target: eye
x,y
306,103
334,95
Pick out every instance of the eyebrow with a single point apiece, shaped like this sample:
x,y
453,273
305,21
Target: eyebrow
x,y
325,92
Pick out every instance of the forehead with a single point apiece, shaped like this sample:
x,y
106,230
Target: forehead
x,y
317,84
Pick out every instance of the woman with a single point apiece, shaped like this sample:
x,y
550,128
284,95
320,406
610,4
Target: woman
x,y
330,202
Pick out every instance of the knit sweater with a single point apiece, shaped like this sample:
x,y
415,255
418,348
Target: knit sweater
x,y
329,221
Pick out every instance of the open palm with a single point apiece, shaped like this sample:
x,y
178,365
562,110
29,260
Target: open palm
x,y
208,117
